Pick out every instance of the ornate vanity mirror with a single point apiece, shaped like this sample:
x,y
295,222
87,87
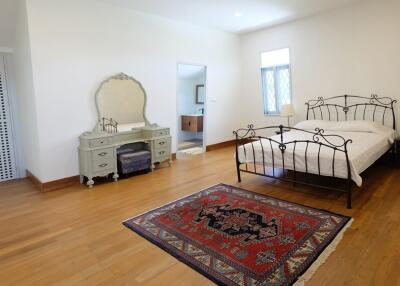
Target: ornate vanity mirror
x,y
123,141
121,104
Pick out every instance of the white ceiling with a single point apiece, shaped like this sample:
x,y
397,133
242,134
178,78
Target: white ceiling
x,y
8,10
217,14
220,14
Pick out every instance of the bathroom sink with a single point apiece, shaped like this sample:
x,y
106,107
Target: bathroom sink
x,y
192,123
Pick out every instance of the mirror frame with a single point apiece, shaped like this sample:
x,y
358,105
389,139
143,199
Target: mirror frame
x,y
120,76
198,101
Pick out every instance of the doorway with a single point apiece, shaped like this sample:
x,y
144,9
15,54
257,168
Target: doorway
x,y
191,115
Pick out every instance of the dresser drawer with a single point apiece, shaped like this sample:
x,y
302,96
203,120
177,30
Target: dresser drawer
x,y
162,153
102,154
162,143
161,132
99,166
100,142
156,132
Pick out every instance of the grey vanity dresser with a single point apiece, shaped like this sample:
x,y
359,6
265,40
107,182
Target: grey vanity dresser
x,y
122,124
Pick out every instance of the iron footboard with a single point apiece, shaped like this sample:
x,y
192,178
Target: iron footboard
x,y
317,141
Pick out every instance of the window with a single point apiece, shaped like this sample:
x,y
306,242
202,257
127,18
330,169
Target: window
x,y
276,82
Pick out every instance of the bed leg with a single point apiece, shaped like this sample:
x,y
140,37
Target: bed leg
x,y
238,173
394,151
239,177
349,196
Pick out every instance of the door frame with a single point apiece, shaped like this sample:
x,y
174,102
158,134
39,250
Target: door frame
x,y
205,114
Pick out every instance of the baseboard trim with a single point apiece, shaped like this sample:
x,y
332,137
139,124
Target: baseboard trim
x,y
60,184
220,145
228,144
38,184
52,185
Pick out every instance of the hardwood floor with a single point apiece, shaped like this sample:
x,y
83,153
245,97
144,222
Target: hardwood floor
x,y
75,236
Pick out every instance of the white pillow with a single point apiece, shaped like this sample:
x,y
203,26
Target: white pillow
x,y
313,124
348,126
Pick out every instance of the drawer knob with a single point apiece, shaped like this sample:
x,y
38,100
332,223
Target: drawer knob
x,y
102,154
161,143
161,152
103,165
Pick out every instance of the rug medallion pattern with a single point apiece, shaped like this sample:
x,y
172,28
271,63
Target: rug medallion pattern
x,y
237,237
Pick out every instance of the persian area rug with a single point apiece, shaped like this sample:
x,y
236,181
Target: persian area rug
x,y
237,237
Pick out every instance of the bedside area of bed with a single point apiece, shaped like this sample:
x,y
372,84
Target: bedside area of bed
x,y
341,137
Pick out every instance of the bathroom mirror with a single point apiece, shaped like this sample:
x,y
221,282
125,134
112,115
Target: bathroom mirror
x,y
121,104
200,94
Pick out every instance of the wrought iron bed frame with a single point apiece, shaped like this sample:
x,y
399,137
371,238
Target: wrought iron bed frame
x,y
322,106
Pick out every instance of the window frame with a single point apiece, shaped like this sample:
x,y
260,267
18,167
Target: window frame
x,y
278,100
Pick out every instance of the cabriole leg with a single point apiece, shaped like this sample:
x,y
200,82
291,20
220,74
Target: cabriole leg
x,y
90,182
115,176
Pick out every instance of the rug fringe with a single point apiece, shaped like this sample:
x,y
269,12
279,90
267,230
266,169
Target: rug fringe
x,y
323,256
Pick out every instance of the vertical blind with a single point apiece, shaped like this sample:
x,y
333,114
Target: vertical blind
x,y
7,157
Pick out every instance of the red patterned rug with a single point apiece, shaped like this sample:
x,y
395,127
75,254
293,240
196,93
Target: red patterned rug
x,y
237,237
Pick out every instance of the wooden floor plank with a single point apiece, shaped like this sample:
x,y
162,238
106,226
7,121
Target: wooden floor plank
x,y
75,237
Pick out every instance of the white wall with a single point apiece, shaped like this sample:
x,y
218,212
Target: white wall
x,y
76,44
354,50
26,123
8,11
4,49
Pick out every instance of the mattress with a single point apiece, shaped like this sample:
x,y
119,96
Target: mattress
x,y
368,145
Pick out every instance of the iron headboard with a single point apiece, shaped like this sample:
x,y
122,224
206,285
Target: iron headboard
x,y
352,107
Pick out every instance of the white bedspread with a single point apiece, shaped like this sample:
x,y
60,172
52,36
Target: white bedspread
x,y
368,145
